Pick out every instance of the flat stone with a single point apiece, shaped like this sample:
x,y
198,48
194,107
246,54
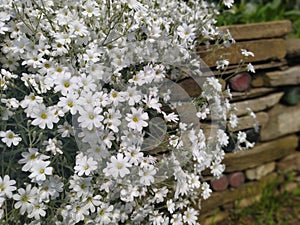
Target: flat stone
x,y
260,154
283,120
236,179
260,171
258,104
214,219
245,202
292,47
252,93
291,162
220,184
260,48
259,30
247,122
272,64
290,76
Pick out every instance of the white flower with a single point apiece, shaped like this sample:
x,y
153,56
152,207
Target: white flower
x,y
171,117
39,170
147,175
233,120
66,83
193,181
205,190
54,146
241,137
112,119
90,118
247,53
104,214
222,138
250,68
171,206
118,166
217,169
43,117
176,219
222,64
7,186
186,31
9,138
25,199
137,119
190,216
84,165
80,185
228,3
38,211
30,158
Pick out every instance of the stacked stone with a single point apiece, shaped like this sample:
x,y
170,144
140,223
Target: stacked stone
x,y
274,95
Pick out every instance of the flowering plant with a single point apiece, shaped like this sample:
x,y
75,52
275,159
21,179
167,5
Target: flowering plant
x,y
94,128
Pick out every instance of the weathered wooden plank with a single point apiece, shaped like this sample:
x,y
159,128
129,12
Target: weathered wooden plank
x,y
260,154
290,76
260,48
283,120
258,104
259,30
247,122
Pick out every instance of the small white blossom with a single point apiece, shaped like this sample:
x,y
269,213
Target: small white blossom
x,y
10,138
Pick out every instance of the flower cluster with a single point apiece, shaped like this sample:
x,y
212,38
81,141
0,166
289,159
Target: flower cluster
x,y
88,100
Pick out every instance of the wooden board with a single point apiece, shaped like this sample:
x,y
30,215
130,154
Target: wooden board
x,y
260,48
259,30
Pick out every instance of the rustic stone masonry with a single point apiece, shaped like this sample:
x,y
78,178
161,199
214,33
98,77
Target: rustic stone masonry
x,y
274,96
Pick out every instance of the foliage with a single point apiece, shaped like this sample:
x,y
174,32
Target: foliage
x,y
260,10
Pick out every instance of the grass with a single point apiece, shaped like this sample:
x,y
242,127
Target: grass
x,y
282,208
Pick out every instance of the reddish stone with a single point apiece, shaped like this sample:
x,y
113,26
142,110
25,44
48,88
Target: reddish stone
x,y
220,184
240,82
236,179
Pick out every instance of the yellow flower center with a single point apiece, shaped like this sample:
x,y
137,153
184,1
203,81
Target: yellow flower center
x,y
10,135
70,104
24,198
135,119
44,116
119,166
67,84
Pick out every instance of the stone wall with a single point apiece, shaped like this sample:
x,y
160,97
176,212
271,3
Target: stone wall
x,y
274,96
